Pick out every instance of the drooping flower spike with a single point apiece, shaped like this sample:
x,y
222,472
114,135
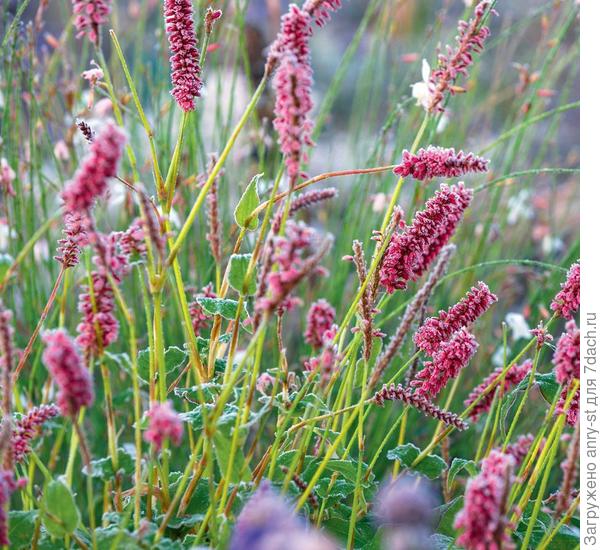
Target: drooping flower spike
x,y
512,378
411,252
436,330
438,162
27,427
91,180
185,58
321,10
396,392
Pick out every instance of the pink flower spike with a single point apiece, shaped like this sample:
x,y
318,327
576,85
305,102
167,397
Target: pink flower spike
x,y
8,486
512,378
436,330
89,15
64,362
91,180
320,318
410,253
28,426
470,39
164,424
185,58
321,10
567,368
566,302
437,162
447,362
483,518
293,103
75,238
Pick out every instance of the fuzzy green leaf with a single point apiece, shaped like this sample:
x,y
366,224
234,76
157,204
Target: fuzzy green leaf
x,y
447,512
21,528
432,466
61,515
459,464
249,201
220,306
238,267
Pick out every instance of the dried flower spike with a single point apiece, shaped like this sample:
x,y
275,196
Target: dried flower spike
x,y
470,40
396,392
185,58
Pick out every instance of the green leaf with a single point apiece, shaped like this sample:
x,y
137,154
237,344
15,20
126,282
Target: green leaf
x,y
60,515
238,267
111,537
249,201
102,468
459,464
447,512
221,306
21,528
222,445
548,385
6,261
432,466
174,358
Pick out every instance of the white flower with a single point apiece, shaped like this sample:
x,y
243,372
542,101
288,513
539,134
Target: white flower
x,y
468,3
519,207
380,202
551,245
6,234
498,357
518,325
421,91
